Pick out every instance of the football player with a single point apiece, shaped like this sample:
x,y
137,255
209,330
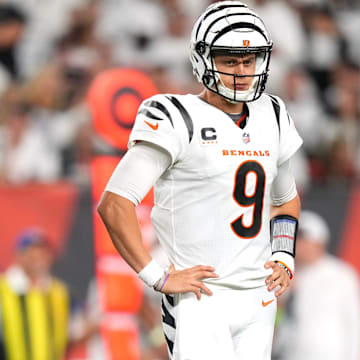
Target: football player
x,y
226,204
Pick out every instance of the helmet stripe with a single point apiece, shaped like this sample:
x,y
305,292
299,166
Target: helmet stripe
x,y
223,17
238,26
213,11
222,7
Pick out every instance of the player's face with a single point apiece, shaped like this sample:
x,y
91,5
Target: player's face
x,y
243,65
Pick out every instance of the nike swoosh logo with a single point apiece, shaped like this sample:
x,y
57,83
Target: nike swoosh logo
x,y
154,127
266,303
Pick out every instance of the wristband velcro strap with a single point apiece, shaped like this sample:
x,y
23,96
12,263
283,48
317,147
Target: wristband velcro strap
x,y
151,273
283,231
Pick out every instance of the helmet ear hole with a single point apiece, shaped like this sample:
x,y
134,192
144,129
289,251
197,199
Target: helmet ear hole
x,y
200,47
207,79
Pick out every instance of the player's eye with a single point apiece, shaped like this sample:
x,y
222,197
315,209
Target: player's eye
x,y
248,62
230,62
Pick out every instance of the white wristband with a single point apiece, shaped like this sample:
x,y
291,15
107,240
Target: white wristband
x,y
287,259
151,273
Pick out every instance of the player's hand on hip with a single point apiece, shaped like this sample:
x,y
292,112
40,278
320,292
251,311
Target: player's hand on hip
x,y
189,280
279,277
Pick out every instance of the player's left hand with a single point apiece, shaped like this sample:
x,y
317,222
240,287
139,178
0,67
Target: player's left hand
x,y
279,277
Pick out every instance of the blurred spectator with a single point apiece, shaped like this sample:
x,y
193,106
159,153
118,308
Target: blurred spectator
x,y
289,46
327,46
25,155
34,304
45,91
58,110
131,33
323,312
343,96
193,8
313,124
347,18
169,48
12,22
57,93
306,109
340,161
46,22
80,53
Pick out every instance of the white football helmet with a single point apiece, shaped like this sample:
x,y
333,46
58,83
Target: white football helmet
x,y
228,28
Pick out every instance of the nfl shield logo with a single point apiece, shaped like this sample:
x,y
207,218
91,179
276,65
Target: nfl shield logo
x,y
246,138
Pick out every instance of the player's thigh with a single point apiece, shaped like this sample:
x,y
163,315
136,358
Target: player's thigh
x,y
255,340
201,331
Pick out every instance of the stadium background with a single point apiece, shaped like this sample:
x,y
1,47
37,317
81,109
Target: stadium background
x,y
51,52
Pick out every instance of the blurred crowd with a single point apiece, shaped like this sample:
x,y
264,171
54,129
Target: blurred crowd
x,y
51,50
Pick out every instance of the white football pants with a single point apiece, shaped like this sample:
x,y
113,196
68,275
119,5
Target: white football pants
x,y
229,325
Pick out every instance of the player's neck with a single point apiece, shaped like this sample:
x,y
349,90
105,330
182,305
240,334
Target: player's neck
x,y
221,103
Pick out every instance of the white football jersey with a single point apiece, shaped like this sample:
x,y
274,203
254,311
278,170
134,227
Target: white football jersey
x,y
212,204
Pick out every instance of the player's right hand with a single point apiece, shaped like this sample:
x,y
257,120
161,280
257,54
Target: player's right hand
x,y
189,280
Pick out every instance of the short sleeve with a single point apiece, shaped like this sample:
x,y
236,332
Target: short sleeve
x,y
290,140
157,123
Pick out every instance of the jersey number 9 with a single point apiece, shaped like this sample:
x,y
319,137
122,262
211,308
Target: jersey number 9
x,y
256,199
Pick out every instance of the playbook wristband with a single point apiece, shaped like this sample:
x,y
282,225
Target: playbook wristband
x,y
151,273
283,231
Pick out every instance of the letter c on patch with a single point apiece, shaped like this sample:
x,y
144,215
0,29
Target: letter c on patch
x,y
208,134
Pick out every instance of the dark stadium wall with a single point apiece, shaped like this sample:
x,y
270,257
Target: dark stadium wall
x,y
76,263
331,201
